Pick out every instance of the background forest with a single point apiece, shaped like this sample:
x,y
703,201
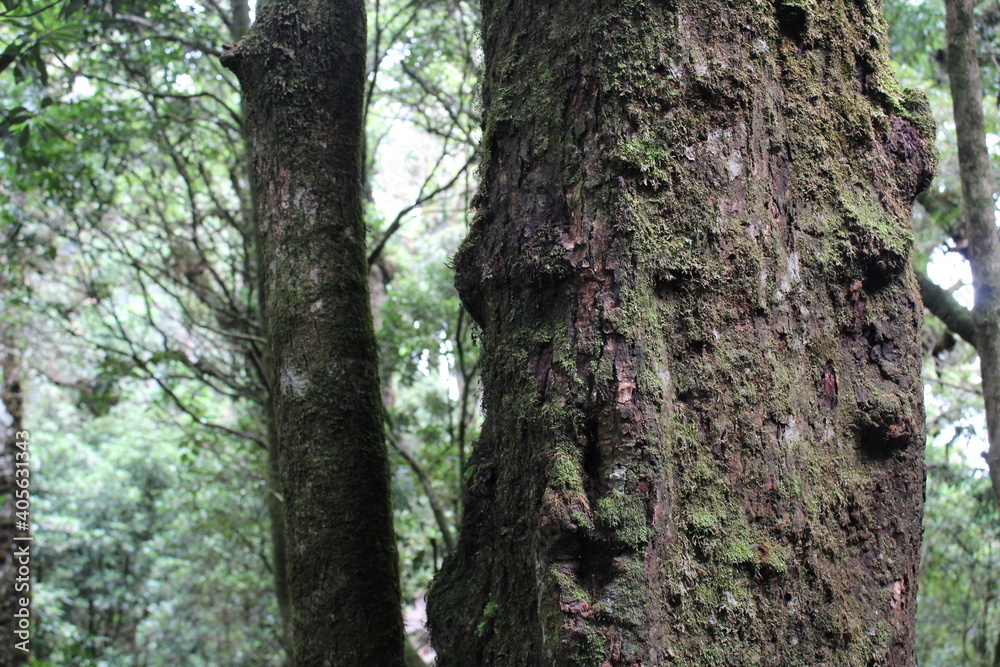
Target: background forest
x,y
130,300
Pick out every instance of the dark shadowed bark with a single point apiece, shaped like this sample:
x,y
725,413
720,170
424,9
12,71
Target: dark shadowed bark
x,y
979,212
302,68
704,433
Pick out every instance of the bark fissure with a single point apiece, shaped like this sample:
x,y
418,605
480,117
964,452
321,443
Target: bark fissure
x,y
703,441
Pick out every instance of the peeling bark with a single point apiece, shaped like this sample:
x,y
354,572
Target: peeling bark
x,y
690,264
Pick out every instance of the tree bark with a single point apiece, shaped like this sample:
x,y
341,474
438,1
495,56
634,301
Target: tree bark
x,y
690,264
980,212
302,68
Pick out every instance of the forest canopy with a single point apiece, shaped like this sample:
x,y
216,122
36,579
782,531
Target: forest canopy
x,y
134,336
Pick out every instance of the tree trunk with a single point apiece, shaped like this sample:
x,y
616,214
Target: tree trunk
x,y
302,68
704,433
14,536
980,212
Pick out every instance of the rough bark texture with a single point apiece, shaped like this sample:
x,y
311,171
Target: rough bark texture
x,y
302,68
239,25
704,432
11,424
980,212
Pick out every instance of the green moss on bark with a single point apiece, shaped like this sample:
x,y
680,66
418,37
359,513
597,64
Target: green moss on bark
x,y
700,340
302,70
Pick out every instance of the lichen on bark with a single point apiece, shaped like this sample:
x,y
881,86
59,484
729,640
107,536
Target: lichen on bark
x,y
703,441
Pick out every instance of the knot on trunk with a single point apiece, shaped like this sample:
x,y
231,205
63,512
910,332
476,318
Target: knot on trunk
x,y
910,145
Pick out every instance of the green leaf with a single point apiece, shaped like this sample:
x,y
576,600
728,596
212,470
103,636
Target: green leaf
x,y
38,63
15,116
72,7
9,55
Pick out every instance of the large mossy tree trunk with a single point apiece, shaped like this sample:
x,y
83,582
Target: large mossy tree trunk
x,y
302,69
704,431
979,212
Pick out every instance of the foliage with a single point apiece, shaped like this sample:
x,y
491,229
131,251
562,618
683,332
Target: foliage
x,y
151,541
124,180
423,134
958,614
960,574
126,175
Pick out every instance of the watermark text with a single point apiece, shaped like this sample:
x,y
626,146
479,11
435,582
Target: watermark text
x,y
22,543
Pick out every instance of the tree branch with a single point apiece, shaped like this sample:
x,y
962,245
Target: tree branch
x,y
425,482
420,201
943,305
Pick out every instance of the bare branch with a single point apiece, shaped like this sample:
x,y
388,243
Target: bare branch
x,y
943,305
425,481
420,201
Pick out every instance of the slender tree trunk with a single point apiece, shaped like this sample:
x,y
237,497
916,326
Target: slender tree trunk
x,y
302,68
980,212
704,432
14,586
